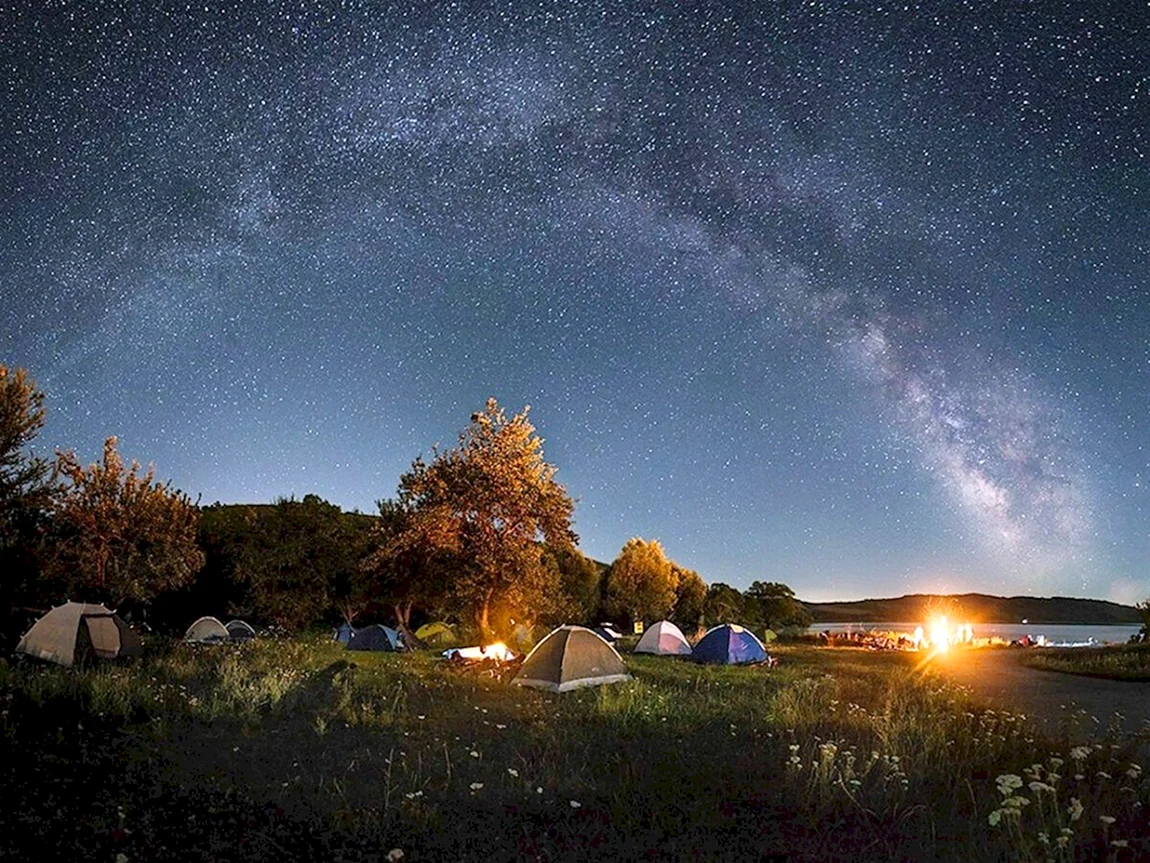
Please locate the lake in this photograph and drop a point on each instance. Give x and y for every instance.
(1058, 633)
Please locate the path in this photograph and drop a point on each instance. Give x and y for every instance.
(999, 678)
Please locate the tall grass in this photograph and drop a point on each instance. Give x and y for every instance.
(1120, 662)
(906, 766)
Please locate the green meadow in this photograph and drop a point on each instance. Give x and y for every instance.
(1118, 662)
(297, 749)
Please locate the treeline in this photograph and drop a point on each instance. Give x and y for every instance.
(481, 533)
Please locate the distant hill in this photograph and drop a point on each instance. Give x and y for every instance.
(975, 607)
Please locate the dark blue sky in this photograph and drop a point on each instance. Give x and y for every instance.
(850, 296)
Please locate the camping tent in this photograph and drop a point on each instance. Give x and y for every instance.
(75, 631)
(571, 657)
(664, 639)
(607, 632)
(375, 637)
(206, 630)
(435, 633)
(729, 644)
(238, 630)
(343, 634)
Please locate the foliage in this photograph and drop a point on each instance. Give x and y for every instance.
(411, 560)
(489, 502)
(853, 755)
(297, 557)
(1117, 662)
(690, 597)
(119, 535)
(580, 586)
(641, 582)
(724, 604)
(1144, 612)
(24, 491)
(773, 605)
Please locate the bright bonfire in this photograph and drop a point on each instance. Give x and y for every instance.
(941, 635)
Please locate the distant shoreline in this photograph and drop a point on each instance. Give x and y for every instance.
(978, 607)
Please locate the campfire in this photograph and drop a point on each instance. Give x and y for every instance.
(941, 635)
(497, 652)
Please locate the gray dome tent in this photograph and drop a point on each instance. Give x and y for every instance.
(571, 657)
(206, 630)
(239, 630)
(75, 631)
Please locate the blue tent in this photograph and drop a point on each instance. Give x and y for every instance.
(607, 633)
(375, 637)
(343, 634)
(729, 645)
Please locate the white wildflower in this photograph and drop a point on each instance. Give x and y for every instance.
(1074, 810)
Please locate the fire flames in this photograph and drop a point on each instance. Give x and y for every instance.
(941, 635)
(497, 651)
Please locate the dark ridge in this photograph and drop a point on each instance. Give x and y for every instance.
(976, 607)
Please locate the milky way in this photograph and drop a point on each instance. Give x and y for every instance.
(848, 296)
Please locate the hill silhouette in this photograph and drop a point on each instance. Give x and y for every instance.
(976, 607)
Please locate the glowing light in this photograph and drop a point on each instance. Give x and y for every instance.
(497, 651)
(941, 636)
(939, 639)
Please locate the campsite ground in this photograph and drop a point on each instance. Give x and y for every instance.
(1006, 678)
(286, 750)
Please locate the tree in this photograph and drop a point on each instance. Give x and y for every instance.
(724, 604)
(411, 560)
(489, 502)
(690, 597)
(24, 488)
(640, 583)
(117, 534)
(297, 556)
(223, 533)
(774, 605)
(580, 585)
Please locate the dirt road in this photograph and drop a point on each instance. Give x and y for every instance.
(1053, 698)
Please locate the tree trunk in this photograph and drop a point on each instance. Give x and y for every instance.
(483, 619)
(402, 616)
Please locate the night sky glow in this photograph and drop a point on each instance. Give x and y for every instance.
(849, 296)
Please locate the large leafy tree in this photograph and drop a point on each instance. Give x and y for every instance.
(298, 557)
(23, 478)
(490, 501)
(411, 561)
(117, 534)
(24, 488)
(219, 588)
(690, 597)
(774, 605)
(580, 579)
(724, 604)
(641, 582)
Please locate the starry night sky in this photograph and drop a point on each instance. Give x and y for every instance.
(852, 296)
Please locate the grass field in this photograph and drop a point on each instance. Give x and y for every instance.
(283, 750)
(1119, 662)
